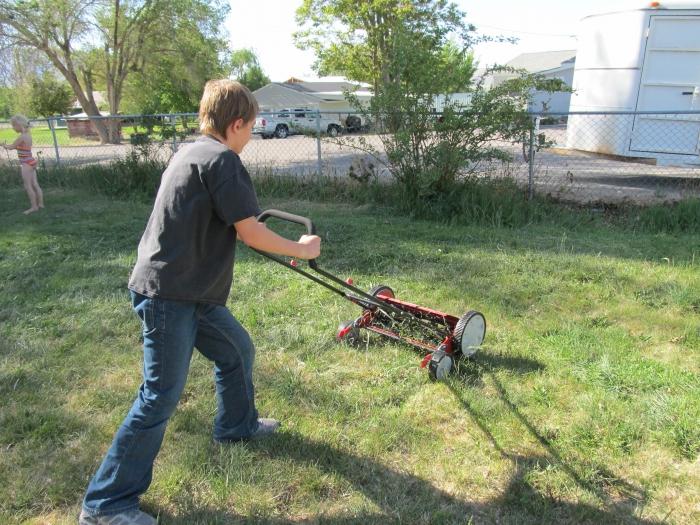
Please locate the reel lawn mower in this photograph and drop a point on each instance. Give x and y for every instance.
(443, 338)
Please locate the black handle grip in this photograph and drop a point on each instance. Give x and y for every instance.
(290, 217)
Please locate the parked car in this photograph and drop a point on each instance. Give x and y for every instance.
(296, 121)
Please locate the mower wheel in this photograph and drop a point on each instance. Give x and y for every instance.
(440, 365)
(469, 333)
(381, 290)
(351, 336)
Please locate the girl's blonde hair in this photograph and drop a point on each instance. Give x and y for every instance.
(223, 102)
(21, 120)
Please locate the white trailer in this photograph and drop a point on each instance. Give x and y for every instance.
(639, 60)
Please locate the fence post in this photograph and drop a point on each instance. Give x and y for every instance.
(174, 134)
(318, 140)
(55, 142)
(531, 161)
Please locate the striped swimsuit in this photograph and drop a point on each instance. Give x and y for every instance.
(25, 156)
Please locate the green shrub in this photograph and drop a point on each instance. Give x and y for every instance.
(497, 201)
(136, 176)
(139, 139)
(683, 216)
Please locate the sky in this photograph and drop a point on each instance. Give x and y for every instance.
(266, 26)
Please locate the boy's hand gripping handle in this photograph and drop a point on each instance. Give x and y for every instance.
(290, 217)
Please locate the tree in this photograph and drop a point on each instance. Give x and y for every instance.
(358, 38)
(49, 96)
(245, 68)
(5, 103)
(457, 64)
(104, 41)
(19, 67)
(430, 154)
(175, 81)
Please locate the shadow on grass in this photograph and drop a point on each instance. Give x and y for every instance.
(402, 496)
(619, 498)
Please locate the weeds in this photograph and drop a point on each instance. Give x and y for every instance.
(495, 202)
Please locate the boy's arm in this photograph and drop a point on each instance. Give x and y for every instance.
(256, 235)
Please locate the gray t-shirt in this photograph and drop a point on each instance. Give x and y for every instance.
(188, 248)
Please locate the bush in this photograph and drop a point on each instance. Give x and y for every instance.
(167, 132)
(497, 202)
(136, 176)
(139, 139)
(683, 216)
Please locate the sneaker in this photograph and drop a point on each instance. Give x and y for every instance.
(266, 426)
(130, 517)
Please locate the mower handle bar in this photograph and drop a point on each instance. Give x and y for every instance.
(290, 217)
(311, 230)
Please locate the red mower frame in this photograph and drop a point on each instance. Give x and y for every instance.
(443, 338)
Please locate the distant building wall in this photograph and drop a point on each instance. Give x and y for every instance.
(84, 127)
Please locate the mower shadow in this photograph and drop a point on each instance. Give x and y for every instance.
(398, 494)
(471, 371)
(627, 496)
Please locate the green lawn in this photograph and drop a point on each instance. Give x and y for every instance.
(582, 407)
(41, 136)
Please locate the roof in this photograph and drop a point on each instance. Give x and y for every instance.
(297, 92)
(687, 5)
(542, 61)
(85, 116)
(98, 96)
(278, 95)
(322, 87)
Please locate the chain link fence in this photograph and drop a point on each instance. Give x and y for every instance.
(607, 157)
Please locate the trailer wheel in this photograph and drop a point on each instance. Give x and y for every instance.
(469, 333)
(351, 336)
(440, 365)
(381, 290)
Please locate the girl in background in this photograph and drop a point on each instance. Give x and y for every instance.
(23, 145)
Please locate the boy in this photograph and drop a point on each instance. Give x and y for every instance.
(179, 288)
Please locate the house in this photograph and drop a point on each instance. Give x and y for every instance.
(80, 125)
(481, 76)
(549, 64)
(325, 95)
(100, 101)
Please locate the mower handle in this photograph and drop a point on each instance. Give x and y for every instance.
(290, 217)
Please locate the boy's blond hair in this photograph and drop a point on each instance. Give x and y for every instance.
(21, 120)
(223, 102)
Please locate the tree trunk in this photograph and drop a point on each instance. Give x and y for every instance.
(87, 102)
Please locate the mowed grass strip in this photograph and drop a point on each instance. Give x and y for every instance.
(582, 407)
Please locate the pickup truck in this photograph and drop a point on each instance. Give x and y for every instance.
(294, 121)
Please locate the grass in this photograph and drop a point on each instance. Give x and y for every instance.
(582, 407)
(42, 136)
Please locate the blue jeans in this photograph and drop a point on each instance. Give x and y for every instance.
(171, 329)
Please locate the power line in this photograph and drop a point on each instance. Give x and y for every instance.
(523, 32)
